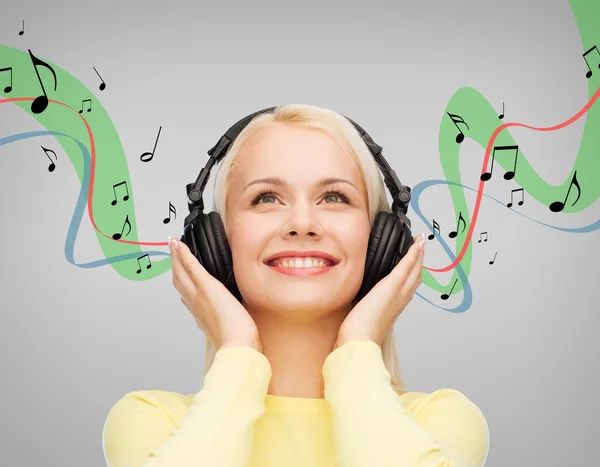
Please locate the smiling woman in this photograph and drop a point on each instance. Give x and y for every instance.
(296, 154)
(299, 186)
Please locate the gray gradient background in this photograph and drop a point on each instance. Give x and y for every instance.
(75, 340)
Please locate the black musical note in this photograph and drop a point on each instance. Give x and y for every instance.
(52, 166)
(511, 197)
(103, 84)
(23, 30)
(149, 261)
(435, 226)
(82, 102)
(117, 236)
(125, 198)
(445, 296)
(173, 210)
(151, 153)
(8, 88)
(501, 116)
(486, 237)
(511, 173)
(458, 119)
(460, 218)
(40, 103)
(558, 206)
(588, 75)
(492, 261)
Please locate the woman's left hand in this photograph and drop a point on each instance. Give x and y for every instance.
(372, 317)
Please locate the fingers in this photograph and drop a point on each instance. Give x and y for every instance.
(409, 261)
(194, 269)
(415, 276)
(181, 279)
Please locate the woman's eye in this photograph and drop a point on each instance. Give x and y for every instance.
(262, 196)
(333, 194)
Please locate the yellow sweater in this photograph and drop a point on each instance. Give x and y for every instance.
(233, 422)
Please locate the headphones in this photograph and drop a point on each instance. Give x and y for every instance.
(389, 240)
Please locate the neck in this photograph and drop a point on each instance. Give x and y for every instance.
(297, 349)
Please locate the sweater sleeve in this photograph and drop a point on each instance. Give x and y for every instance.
(217, 430)
(372, 427)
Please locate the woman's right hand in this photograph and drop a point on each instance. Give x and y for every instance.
(218, 314)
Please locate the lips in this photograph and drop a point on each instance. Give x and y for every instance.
(273, 262)
(301, 254)
(302, 272)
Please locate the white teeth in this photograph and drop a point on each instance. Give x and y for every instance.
(300, 262)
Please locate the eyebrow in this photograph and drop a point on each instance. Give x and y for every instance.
(280, 181)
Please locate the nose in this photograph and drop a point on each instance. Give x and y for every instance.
(302, 224)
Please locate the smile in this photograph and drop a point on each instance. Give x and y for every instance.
(302, 272)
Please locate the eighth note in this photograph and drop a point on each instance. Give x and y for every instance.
(147, 267)
(588, 75)
(103, 85)
(486, 237)
(125, 198)
(117, 236)
(8, 88)
(511, 197)
(40, 103)
(151, 153)
(52, 166)
(558, 206)
(172, 209)
(82, 102)
(509, 175)
(460, 218)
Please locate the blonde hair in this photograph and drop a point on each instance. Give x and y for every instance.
(337, 126)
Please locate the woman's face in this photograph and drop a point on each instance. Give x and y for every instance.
(297, 216)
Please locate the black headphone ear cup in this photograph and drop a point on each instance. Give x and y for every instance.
(374, 239)
(211, 223)
(386, 256)
(381, 257)
(221, 252)
(387, 246)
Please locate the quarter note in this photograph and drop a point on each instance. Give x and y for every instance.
(458, 119)
(125, 198)
(460, 218)
(117, 236)
(558, 206)
(23, 30)
(486, 237)
(52, 166)
(501, 116)
(103, 85)
(171, 210)
(82, 102)
(149, 262)
(435, 226)
(588, 75)
(151, 154)
(445, 296)
(511, 197)
(509, 175)
(8, 88)
(40, 103)
(492, 261)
